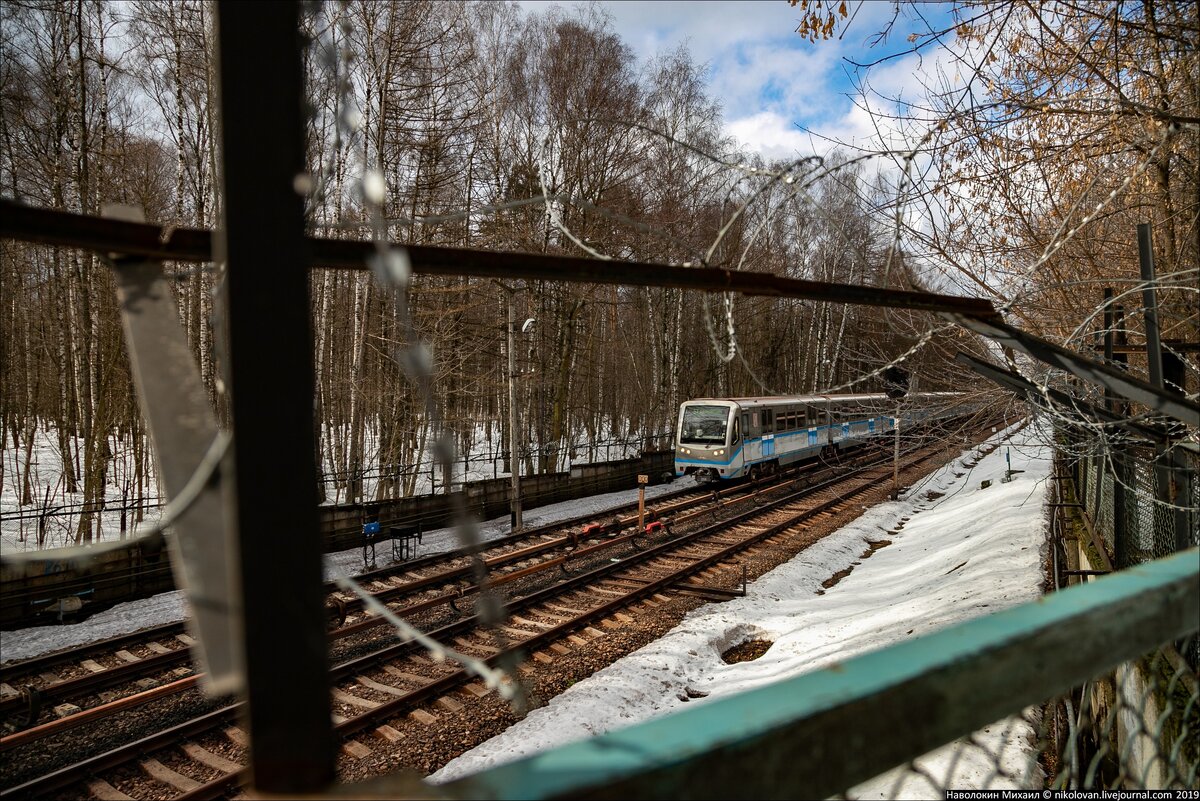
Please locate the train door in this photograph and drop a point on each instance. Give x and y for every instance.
(752, 426)
(768, 435)
(813, 420)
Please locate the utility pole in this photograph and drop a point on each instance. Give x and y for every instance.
(514, 458)
(896, 382)
(896, 456)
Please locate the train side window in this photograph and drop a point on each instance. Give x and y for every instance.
(768, 415)
(746, 424)
(737, 432)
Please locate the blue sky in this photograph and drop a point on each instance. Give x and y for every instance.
(768, 79)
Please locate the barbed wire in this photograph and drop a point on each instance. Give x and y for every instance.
(391, 268)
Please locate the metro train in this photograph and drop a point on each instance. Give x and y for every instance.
(718, 439)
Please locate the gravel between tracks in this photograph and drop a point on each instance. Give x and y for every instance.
(425, 748)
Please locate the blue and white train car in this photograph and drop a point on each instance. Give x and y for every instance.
(726, 438)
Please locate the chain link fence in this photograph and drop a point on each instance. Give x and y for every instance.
(1142, 501)
(1137, 728)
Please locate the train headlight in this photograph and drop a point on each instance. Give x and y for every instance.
(685, 450)
(720, 452)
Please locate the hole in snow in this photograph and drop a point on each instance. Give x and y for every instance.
(747, 651)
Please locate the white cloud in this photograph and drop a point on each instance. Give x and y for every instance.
(771, 135)
(782, 96)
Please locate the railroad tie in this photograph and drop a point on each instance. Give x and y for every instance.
(521, 621)
(353, 700)
(128, 656)
(388, 734)
(186, 639)
(236, 736)
(421, 716)
(566, 610)
(420, 681)
(379, 686)
(214, 761)
(448, 704)
(106, 792)
(93, 666)
(7, 690)
(158, 648)
(468, 645)
(354, 748)
(520, 634)
(161, 773)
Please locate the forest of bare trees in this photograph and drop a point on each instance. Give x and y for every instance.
(489, 127)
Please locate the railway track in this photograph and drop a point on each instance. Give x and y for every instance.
(564, 592)
(61, 690)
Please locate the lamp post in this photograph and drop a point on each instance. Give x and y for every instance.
(513, 458)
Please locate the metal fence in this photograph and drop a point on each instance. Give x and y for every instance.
(1143, 503)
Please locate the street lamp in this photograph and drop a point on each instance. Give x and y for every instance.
(514, 458)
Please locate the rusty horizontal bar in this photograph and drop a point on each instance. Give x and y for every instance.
(1140, 350)
(1114, 380)
(66, 229)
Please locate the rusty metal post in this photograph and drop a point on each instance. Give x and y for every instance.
(270, 376)
(1149, 300)
(643, 480)
(1170, 469)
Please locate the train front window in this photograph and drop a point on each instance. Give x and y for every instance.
(704, 425)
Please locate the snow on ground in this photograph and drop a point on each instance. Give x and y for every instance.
(170, 607)
(961, 552)
(19, 524)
